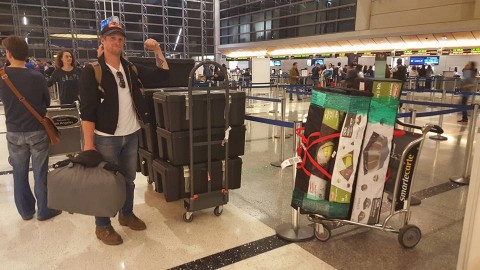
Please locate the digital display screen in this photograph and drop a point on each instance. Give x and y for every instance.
(432, 60)
(317, 61)
(277, 63)
(417, 61)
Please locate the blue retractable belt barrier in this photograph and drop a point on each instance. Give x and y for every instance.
(264, 99)
(269, 121)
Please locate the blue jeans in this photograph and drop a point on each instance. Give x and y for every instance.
(22, 146)
(121, 151)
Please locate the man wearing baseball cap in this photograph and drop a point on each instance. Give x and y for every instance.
(111, 111)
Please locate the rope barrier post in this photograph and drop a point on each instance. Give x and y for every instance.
(249, 93)
(282, 137)
(465, 178)
(275, 95)
(454, 88)
(439, 137)
(413, 118)
(294, 232)
(432, 94)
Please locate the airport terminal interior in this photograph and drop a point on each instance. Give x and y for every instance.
(260, 223)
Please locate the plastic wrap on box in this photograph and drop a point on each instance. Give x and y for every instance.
(375, 154)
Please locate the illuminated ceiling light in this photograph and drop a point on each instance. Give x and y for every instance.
(78, 36)
(178, 39)
(24, 19)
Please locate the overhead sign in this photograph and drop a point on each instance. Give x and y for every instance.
(302, 56)
(326, 55)
(278, 57)
(340, 55)
(237, 59)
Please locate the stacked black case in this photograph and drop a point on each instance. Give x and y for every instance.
(164, 143)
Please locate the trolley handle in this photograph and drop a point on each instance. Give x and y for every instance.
(433, 128)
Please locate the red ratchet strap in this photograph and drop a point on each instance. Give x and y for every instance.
(305, 146)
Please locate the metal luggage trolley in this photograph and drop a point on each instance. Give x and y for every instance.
(217, 198)
(409, 235)
(67, 119)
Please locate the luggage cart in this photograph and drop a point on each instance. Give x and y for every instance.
(67, 119)
(217, 198)
(409, 235)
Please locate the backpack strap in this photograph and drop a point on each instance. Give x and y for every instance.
(97, 69)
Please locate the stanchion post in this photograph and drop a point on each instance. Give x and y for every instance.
(282, 136)
(439, 137)
(465, 178)
(294, 232)
(413, 118)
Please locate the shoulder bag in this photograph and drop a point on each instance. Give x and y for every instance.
(52, 131)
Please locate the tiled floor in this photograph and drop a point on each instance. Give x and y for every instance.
(243, 236)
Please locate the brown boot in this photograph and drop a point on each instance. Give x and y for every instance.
(132, 221)
(108, 235)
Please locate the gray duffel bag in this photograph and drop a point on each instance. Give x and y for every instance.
(95, 191)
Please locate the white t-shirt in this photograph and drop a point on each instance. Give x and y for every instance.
(127, 117)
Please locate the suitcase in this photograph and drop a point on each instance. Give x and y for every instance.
(174, 146)
(146, 159)
(173, 181)
(90, 191)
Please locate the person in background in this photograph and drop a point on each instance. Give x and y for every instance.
(400, 71)
(316, 75)
(360, 73)
(294, 77)
(414, 75)
(388, 74)
(26, 137)
(370, 72)
(468, 85)
(66, 76)
(365, 71)
(336, 72)
(29, 64)
(110, 118)
(429, 75)
(49, 69)
(352, 74)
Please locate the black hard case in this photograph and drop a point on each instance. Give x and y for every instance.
(147, 137)
(171, 110)
(145, 159)
(171, 179)
(174, 146)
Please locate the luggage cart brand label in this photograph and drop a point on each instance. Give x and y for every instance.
(408, 168)
(65, 120)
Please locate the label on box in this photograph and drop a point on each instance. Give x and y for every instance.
(373, 169)
(317, 188)
(348, 152)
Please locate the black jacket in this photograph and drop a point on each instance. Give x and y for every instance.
(102, 108)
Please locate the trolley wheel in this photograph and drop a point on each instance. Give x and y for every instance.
(218, 211)
(149, 180)
(409, 236)
(322, 235)
(187, 219)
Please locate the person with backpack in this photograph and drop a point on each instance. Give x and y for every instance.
(111, 106)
